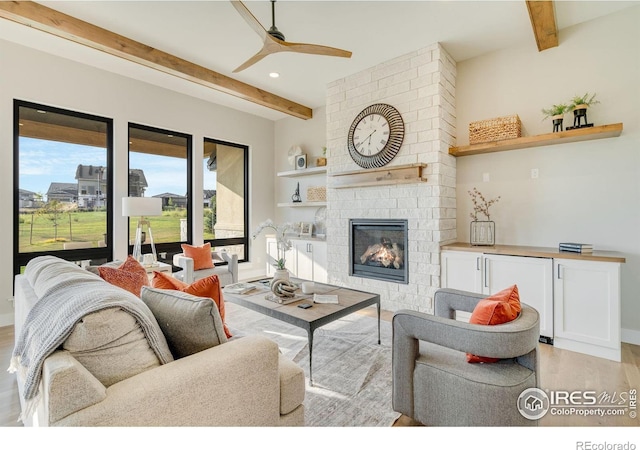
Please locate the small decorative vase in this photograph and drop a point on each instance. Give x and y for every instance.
(281, 274)
(482, 232)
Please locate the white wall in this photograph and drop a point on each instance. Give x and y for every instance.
(35, 76)
(586, 192)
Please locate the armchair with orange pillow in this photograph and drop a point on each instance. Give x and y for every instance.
(448, 372)
(199, 262)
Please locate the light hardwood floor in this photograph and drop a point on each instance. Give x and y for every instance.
(560, 370)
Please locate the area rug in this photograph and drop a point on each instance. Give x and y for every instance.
(351, 372)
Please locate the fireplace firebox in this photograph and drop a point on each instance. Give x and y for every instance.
(378, 249)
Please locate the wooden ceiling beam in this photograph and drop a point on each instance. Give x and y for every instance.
(62, 25)
(543, 20)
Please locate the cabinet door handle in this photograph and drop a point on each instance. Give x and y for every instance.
(478, 263)
(309, 248)
(559, 277)
(485, 273)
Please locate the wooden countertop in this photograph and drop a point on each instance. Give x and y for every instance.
(538, 252)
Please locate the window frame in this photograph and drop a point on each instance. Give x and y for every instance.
(97, 253)
(168, 247)
(239, 240)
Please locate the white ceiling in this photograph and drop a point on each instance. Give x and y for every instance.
(212, 34)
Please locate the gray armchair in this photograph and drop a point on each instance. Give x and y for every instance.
(434, 384)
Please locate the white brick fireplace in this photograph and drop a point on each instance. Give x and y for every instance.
(421, 86)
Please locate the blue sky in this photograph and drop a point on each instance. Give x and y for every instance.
(43, 162)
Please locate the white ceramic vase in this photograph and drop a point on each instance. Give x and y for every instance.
(281, 274)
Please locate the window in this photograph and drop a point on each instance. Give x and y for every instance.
(160, 166)
(225, 198)
(55, 152)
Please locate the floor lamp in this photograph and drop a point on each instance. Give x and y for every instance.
(142, 207)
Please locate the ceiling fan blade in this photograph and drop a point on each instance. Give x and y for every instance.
(251, 61)
(250, 19)
(314, 49)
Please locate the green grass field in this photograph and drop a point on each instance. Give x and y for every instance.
(87, 226)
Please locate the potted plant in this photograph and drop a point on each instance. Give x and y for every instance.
(579, 105)
(556, 112)
(283, 244)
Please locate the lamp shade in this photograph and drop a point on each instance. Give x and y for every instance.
(141, 206)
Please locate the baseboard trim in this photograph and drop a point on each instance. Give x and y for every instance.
(630, 336)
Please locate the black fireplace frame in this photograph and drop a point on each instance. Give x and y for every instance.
(379, 273)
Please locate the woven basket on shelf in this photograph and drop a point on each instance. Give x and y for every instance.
(317, 194)
(497, 129)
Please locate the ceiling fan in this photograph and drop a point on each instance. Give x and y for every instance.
(274, 41)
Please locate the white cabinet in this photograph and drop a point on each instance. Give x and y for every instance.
(461, 270)
(487, 274)
(587, 307)
(578, 298)
(534, 278)
(311, 261)
(307, 259)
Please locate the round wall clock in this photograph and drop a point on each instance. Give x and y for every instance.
(375, 136)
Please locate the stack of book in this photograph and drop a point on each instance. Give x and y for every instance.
(575, 247)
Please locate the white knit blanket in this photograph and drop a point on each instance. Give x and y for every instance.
(53, 317)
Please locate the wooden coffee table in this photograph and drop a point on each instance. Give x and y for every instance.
(312, 318)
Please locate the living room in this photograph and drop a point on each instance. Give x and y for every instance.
(584, 192)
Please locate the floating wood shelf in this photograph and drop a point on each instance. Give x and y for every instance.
(562, 137)
(302, 204)
(303, 172)
(405, 174)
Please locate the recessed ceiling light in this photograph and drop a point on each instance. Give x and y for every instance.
(41, 111)
(274, 74)
(170, 135)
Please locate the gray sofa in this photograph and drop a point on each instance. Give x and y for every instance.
(434, 384)
(107, 374)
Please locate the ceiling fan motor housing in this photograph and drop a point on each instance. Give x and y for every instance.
(273, 31)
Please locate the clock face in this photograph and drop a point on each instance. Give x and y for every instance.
(375, 136)
(371, 134)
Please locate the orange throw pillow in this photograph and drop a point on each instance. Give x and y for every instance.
(501, 307)
(130, 275)
(201, 256)
(208, 287)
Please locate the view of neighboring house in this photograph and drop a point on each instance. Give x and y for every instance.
(137, 183)
(91, 189)
(208, 197)
(63, 192)
(169, 199)
(28, 199)
(92, 186)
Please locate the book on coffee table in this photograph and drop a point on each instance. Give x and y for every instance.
(332, 299)
(239, 288)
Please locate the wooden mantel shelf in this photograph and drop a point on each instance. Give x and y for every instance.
(404, 174)
(562, 137)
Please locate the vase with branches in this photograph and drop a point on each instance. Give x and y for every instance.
(482, 232)
(283, 243)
